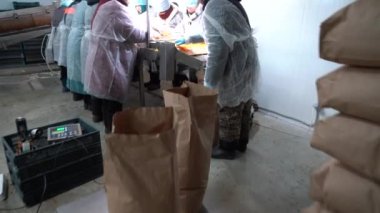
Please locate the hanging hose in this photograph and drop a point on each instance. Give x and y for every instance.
(42, 53)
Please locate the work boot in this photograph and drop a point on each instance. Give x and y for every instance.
(87, 102)
(242, 146)
(219, 153)
(224, 150)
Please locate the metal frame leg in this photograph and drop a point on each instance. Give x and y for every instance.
(141, 84)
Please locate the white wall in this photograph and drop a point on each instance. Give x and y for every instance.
(287, 33)
(7, 4)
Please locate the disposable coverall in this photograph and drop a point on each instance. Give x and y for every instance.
(192, 26)
(86, 37)
(111, 55)
(232, 69)
(172, 24)
(74, 73)
(52, 47)
(64, 30)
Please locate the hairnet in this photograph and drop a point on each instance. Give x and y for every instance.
(140, 2)
(191, 3)
(232, 64)
(66, 3)
(162, 5)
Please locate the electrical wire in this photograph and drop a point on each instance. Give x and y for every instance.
(43, 194)
(45, 180)
(42, 54)
(12, 209)
(99, 183)
(55, 161)
(286, 116)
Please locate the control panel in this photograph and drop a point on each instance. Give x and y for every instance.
(64, 131)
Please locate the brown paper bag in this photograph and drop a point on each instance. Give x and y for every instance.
(317, 208)
(352, 91)
(140, 166)
(354, 142)
(345, 191)
(352, 35)
(194, 154)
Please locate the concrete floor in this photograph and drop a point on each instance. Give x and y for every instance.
(273, 176)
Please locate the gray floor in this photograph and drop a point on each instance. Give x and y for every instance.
(273, 176)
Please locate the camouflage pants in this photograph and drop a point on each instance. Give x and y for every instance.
(235, 122)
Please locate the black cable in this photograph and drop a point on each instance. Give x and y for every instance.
(43, 194)
(55, 161)
(45, 181)
(99, 183)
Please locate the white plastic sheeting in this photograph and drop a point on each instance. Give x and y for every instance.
(287, 33)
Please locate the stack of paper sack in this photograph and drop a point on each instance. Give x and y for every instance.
(351, 182)
(158, 158)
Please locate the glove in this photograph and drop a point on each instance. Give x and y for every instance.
(180, 41)
(195, 39)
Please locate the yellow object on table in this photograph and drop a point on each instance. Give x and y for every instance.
(194, 48)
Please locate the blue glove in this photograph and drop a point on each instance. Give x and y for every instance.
(195, 39)
(180, 41)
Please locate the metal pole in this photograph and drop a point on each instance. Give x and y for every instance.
(141, 66)
(147, 24)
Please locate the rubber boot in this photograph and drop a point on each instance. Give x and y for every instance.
(109, 108)
(224, 150)
(63, 79)
(87, 102)
(96, 108)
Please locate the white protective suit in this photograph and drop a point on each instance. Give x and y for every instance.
(56, 43)
(86, 37)
(64, 30)
(74, 73)
(232, 64)
(172, 24)
(112, 51)
(192, 23)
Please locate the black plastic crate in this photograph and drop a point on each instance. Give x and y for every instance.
(23, 173)
(36, 182)
(56, 187)
(49, 151)
(63, 164)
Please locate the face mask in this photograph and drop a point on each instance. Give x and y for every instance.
(143, 9)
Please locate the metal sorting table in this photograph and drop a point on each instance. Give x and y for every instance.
(8, 39)
(168, 58)
(25, 31)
